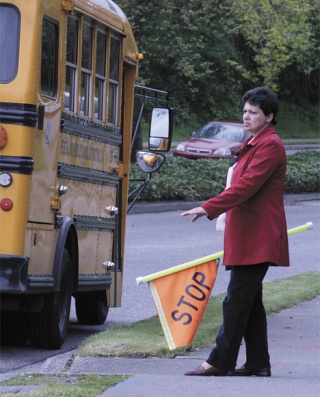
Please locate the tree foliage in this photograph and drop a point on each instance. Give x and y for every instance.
(279, 33)
(205, 53)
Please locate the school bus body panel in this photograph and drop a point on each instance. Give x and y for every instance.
(115, 289)
(98, 249)
(11, 237)
(71, 168)
(39, 239)
(45, 154)
(129, 76)
(80, 151)
(21, 90)
(91, 201)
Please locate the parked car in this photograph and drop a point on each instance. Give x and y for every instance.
(216, 139)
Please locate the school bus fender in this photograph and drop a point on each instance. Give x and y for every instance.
(67, 240)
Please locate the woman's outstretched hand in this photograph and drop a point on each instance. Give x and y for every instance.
(197, 211)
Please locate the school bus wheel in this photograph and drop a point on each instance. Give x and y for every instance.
(13, 328)
(48, 328)
(91, 307)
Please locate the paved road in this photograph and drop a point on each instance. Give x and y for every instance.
(158, 240)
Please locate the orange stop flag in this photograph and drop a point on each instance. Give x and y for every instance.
(181, 294)
(181, 298)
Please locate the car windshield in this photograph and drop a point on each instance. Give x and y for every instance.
(221, 132)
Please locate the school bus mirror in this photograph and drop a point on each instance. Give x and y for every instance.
(160, 133)
(149, 162)
(158, 144)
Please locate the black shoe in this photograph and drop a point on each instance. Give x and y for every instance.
(201, 371)
(243, 371)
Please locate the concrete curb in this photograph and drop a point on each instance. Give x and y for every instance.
(147, 207)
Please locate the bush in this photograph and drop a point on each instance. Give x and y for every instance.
(303, 175)
(181, 179)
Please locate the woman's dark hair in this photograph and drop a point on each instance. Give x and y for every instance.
(266, 99)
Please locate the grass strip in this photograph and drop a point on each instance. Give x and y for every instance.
(61, 385)
(145, 338)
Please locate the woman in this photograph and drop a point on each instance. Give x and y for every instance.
(255, 238)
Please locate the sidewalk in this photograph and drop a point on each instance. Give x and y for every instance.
(295, 358)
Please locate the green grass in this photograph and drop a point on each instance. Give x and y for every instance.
(64, 385)
(145, 338)
(294, 122)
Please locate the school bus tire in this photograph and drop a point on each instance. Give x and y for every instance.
(91, 307)
(13, 328)
(48, 328)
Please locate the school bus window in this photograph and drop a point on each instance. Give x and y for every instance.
(114, 80)
(9, 42)
(100, 79)
(71, 65)
(86, 69)
(49, 58)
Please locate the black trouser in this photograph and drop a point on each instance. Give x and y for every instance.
(244, 316)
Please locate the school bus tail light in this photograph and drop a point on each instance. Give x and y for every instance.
(3, 137)
(6, 204)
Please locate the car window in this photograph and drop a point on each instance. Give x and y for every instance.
(221, 132)
(203, 132)
(247, 134)
(231, 133)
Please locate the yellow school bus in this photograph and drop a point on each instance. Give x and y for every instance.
(67, 86)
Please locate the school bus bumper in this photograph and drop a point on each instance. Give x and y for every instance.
(13, 274)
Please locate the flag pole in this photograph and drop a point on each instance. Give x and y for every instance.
(212, 257)
(302, 228)
(178, 268)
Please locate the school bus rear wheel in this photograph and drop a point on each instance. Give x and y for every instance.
(92, 308)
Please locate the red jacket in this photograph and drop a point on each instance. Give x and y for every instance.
(256, 229)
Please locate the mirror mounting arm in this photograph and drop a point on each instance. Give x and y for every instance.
(137, 125)
(138, 190)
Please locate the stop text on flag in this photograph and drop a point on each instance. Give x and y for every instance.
(196, 292)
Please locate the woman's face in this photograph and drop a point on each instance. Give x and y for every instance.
(254, 120)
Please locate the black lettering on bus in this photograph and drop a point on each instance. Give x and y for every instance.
(64, 146)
